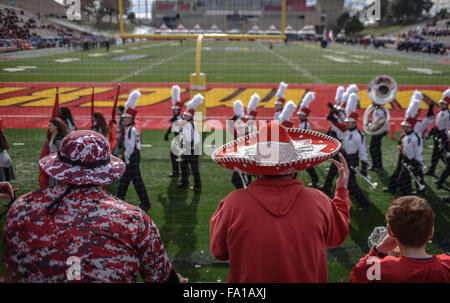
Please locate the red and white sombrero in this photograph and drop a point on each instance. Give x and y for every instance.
(275, 150)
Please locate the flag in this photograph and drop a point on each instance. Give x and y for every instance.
(113, 122)
(92, 107)
(43, 177)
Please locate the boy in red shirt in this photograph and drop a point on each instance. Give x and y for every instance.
(410, 226)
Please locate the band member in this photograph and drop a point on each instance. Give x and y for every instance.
(120, 132)
(279, 103)
(237, 125)
(379, 116)
(420, 129)
(439, 132)
(66, 115)
(174, 127)
(304, 124)
(190, 141)
(59, 130)
(252, 113)
(410, 156)
(132, 154)
(337, 113)
(100, 125)
(446, 172)
(354, 148)
(338, 99)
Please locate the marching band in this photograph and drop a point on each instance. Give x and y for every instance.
(343, 119)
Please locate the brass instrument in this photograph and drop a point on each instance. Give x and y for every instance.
(373, 185)
(381, 90)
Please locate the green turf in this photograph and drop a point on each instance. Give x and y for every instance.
(228, 62)
(183, 218)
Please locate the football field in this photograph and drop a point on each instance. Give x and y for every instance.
(182, 216)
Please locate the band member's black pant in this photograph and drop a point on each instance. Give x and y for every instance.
(353, 187)
(175, 164)
(375, 150)
(332, 173)
(439, 141)
(192, 162)
(313, 174)
(401, 178)
(445, 173)
(237, 181)
(133, 173)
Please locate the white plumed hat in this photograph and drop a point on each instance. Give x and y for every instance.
(413, 109)
(280, 93)
(251, 108)
(238, 108)
(193, 104)
(286, 114)
(350, 108)
(307, 100)
(176, 101)
(339, 94)
(130, 105)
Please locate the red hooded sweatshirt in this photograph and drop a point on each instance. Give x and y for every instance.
(276, 231)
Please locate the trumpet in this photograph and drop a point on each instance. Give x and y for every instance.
(420, 186)
(373, 185)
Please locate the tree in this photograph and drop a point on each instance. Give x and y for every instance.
(353, 25)
(404, 10)
(342, 18)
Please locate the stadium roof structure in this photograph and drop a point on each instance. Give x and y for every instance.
(255, 30)
(180, 30)
(197, 30)
(307, 30)
(290, 30)
(164, 29)
(272, 30)
(214, 29)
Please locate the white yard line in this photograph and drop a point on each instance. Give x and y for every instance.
(149, 67)
(296, 67)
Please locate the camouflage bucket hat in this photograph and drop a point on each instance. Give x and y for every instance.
(83, 158)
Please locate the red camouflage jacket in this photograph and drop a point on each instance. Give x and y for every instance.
(111, 240)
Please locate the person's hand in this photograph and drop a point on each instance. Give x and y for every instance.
(387, 244)
(343, 170)
(182, 279)
(7, 191)
(127, 161)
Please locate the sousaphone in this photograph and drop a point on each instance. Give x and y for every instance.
(382, 90)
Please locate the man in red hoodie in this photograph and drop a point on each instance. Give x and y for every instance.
(276, 230)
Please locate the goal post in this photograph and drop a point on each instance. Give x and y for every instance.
(197, 80)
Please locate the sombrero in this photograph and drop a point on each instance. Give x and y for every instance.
(275, 150)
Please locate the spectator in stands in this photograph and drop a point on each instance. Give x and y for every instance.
(100, 124)
(410, 225)
(276, 230)
(78, 231)
(66, 115)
